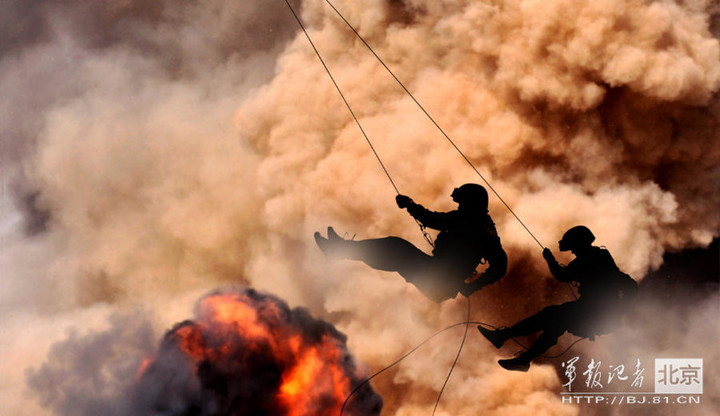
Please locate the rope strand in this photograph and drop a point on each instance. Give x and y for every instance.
(462, 344)
(426, 236)
(322, 61)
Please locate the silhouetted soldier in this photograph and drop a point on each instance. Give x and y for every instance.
(605, 295)
(467, 237)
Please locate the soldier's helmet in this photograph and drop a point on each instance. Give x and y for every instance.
(577, 237)
(471, 194)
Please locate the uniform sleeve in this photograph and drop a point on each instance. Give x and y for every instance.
(560, 272)
(432, 219)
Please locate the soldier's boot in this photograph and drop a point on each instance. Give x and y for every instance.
(333, 245)
(516, 364)
(496, 336)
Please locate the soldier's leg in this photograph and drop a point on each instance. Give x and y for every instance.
(395, 255)
(541, 321)
(547, 339)
(391, 254)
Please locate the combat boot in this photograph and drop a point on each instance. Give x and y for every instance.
(496, 336)
(515, 364)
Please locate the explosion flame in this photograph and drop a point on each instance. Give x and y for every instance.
(250, 353)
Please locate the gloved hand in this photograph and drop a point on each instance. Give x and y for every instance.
(547, 254)
(403, 201)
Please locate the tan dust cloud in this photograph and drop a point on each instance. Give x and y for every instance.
(594, 112)
(599, 113)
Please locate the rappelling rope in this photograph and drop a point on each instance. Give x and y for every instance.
(428, 339)
(452, 367)
(347, 104)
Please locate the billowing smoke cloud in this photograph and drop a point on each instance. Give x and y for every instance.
(76, 72)
(596, 113)
(600, 113)
(244, 353)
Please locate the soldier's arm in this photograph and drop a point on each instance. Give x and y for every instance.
(430, 219)
(558, 271)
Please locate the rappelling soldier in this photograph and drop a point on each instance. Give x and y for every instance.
(467, 238)
(605, 295)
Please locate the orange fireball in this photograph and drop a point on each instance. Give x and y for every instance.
(249, 353)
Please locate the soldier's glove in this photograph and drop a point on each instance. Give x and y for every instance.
(403, 201)
(547, 254)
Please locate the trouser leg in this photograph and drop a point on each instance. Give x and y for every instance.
(547, 339)
(552, 321)
(549, 320)
(552, 316)
(391, 254)
(397, 255)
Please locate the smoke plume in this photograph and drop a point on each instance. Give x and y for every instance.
(168, 148)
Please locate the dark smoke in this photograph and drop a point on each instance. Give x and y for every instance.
(93, 374)
(686, 277)
(36, 218)
(675, 315)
